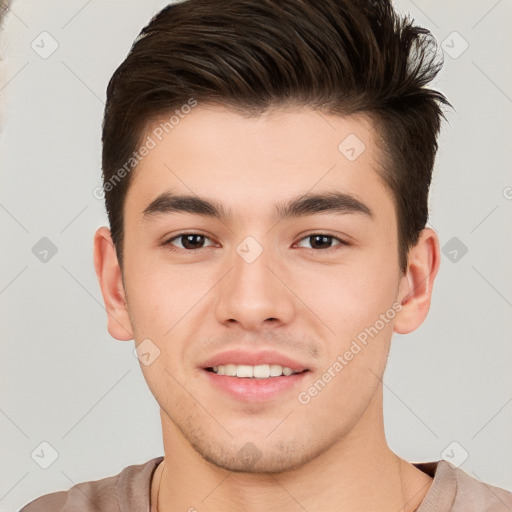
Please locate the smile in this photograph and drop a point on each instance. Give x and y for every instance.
(261, 371)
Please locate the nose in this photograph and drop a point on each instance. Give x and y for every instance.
(255, 294)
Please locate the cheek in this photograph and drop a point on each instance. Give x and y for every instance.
(357, 306)
(167, 304)
(158, 290)
(348, 298)
(162, 301)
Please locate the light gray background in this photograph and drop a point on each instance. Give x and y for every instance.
(66, 382)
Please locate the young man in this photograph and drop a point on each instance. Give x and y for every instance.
(266, 174)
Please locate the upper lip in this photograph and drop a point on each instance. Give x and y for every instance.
(243, 356)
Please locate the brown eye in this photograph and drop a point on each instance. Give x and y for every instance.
(322, 241)
(188, 241)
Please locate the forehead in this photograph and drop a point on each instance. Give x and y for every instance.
(247, 161)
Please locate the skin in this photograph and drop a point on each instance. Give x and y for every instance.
(308, 303)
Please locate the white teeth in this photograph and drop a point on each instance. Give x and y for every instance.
(276, 370)
(244, 370)
(261, 371)
(230, 369)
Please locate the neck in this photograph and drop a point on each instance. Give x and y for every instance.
(359, 472)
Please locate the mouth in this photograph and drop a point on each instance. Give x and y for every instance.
(255, 377)
(261, 371)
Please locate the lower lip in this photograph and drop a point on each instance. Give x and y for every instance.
(256, 390)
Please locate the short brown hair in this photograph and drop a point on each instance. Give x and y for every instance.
(337, 56)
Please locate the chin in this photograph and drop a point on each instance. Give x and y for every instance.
(258, 457)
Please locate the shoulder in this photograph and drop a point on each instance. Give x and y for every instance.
(111, 494)
(453, 490)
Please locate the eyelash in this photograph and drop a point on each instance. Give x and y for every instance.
(195, 251)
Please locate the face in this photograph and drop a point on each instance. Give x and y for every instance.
(273, 285)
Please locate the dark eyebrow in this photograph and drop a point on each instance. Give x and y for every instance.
(300, 206)
(167, 202)
(321, 202)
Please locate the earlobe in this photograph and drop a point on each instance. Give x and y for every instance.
(111, 284)
(416, 286)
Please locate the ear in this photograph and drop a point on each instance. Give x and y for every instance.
(415, 289)
(111, 284)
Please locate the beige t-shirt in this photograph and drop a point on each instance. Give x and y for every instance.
(452, 490)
